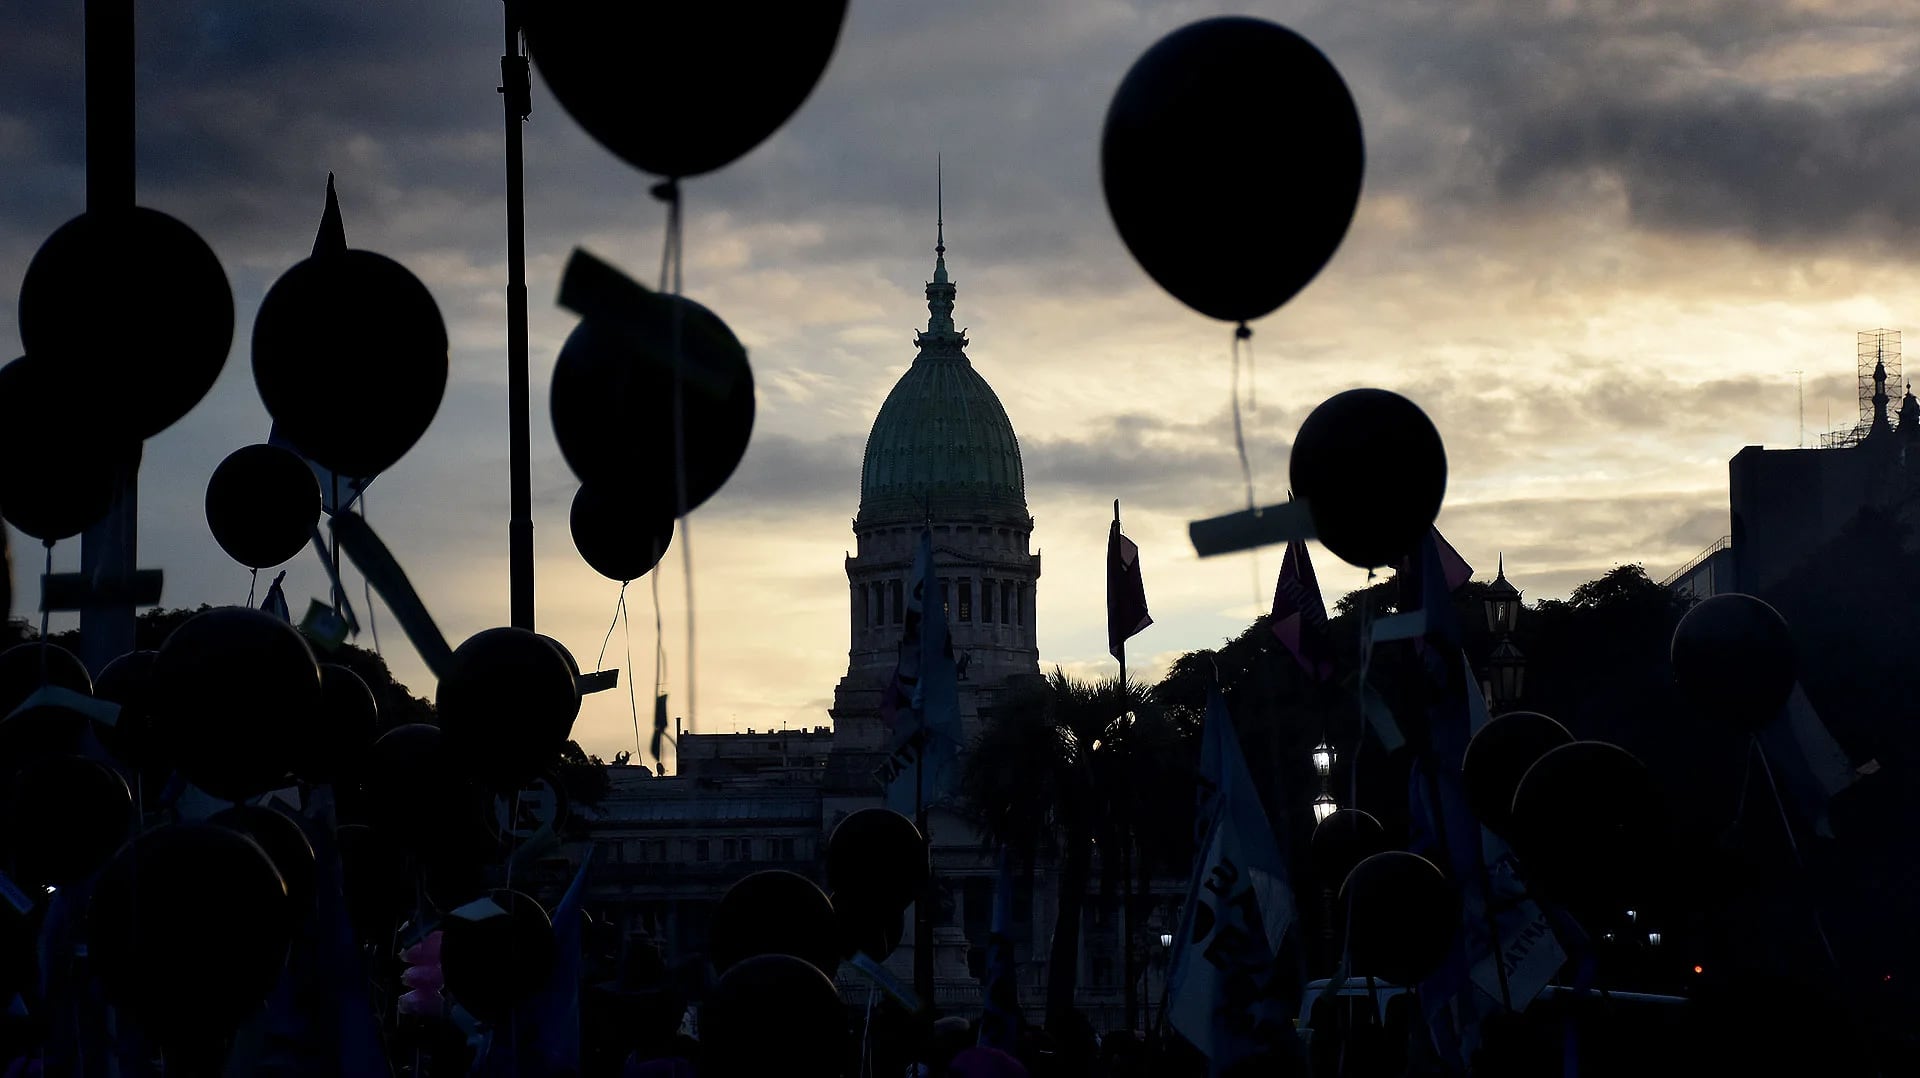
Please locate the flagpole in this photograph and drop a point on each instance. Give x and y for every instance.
(923, 909)
(1126, 911)
(517, 89)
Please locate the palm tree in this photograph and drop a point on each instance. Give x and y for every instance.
(1073, 767)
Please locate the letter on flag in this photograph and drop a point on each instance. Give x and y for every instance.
(1126, 595)
(1299, 619)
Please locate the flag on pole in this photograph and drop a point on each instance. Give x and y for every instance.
(556, 1011)
(1000, 1025)
(1453, 567)
(927, 742)
(1299, 618)
(1223, 992)
(1126, 594)
(276, 600)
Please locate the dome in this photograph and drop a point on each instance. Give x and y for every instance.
(942, 442)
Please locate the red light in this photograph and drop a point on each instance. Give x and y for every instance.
(1699, 969)
(1887, 977)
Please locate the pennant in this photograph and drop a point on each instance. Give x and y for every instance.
(1221, 990)
(276, 600)
(556, 1011)
(1454, 568)
(1299, 617)
(1126, 594)
(1811, 764)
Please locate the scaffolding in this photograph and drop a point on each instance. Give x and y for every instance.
(1872, 348)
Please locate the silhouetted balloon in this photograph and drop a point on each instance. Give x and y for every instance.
(497, 956)
(350, 356)
(1588, 825)
(24, 668)
(1231, 161)
(507, 703)
(613, 404)
(773, 1014)
(1372, 470)
(57, 479)
(1499, 756)
(137, 304)
(418, 796)
(878, 857)
(284, 843)
(336, 744)
(866, 926)
(775, 912)
(231, 688)
(188, 931)
(1402, 915)
(1734, 657)
(685, 116)
(1343, 840)
(132, 739)
(36, 732)
(262, 504)
(374, 881)
(65, 816)
(621, 539)
(572, 663)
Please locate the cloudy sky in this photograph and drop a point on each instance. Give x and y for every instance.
(1596, 241)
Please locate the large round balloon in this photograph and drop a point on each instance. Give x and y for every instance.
(619, 538)
(1402, 917)
(659, 84)
(1734, 657)
(1231, 161)
(507, 704)
(496, 953)
(59, 476)
(231, 688)
(775, 912)
(1588, 825)
(188, 931)
(136, 303)
(867, 927)
(1343, 840)
(1372, 470)
(336, 744)
(350, 356)
(132, 739)
(1497, 758)
(284, 843)
(878, 856)
(65, 816)
(262, 503)
(417, 795)
(614, 412)
(773, 1014)
(24, 668)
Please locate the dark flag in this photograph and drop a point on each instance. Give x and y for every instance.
(1299, 619)
(276, 601)
(1000, 1025)
(1126, 595)
(332, 236)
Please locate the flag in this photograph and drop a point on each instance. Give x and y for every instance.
(1811, 764)
(1452, 565)
(1299, 619)
(1000, 1025)
(276, 600)
(1222, 989)
(332, 237)
(556, 1011)
(922, 767)
(898, 695)
(1126, 595)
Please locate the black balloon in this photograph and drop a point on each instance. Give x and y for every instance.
(507, 704)
(418, 796)
(65, 816)
(1231, 161)
(1402, 917)
(1343, 840)
(55, 481)
(613, 404)
(1372, 470)
(1499, 756)
(262, 503)
(284, 843)
(350, 357)
(1588, 826)
(867, 927)
(619, 538)
(24, 668)
(137, 304)
(231, 688)
(658, 84)
(775, 912)
(132, 739)
(336, 744)
(492, 960)
(187, 931)
(1734, 657)
(877, 857)
(573, 664)
(774, 1014)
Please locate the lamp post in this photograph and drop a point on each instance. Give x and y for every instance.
(1323, 758)
(1506, 667)
(1323, 807)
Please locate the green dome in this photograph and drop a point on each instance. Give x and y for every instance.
(942, 441)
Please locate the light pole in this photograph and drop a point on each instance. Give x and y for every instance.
(1506, 667)
(1324, 757)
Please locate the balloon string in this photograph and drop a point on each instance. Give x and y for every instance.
(601, 662)
(633, 700)
(660, 659)
(1242, 333)
(1239, 434)
(1793, 847)
(253, 581)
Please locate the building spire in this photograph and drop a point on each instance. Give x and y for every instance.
(940, 337)
(940, 221)
(1879, 424)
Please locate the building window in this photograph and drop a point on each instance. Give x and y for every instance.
(702, 850)
(1103, 971)
(878, 604)
(896, 605)
(729, 850)
(986, 602)
(966, 599)
(786, 849)
(860, 597)
(1006, 601)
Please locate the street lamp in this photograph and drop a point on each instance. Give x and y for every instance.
(1503, 602)
(1166, 941)
(1506, 674)
(1323, 807)
(1324, 758)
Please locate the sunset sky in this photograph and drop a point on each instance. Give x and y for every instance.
(1596, 240)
